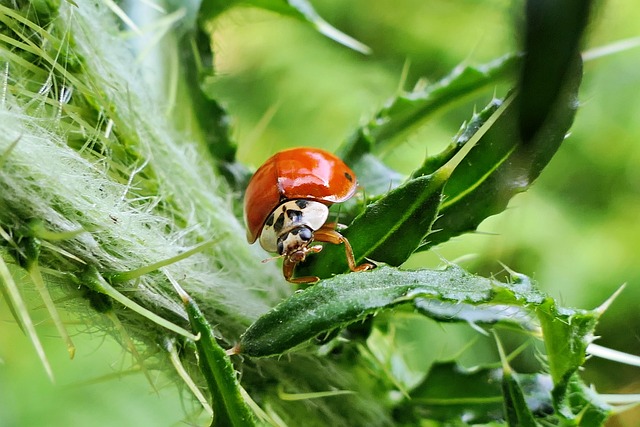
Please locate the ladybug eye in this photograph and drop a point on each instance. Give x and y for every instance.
(305, 234)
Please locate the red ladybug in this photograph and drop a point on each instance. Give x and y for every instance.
(287, 201)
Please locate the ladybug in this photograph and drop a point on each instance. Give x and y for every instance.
(286, 206)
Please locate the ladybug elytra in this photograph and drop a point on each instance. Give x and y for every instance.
(287, 201)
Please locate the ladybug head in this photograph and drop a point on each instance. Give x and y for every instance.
(294, 244)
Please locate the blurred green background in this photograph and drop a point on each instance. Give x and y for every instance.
(577, 232)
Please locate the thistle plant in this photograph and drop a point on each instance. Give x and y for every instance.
(123, 209)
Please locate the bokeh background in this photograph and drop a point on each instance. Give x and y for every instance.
(577, 231)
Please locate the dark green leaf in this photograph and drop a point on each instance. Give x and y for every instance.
(197, 63)
(501, 166)
(405, 113)
(551, 44)
(391, 228)
(451, 393)
(516, 410)
(566, 337)
(344, 299)
(388, 230)
(229, 408)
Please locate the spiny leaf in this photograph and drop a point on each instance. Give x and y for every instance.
(467, 131)
(566, 337)
(388, 230)
(579, 405)
(404, 113)
(198, 67)
(344, 299)
(501, 166)
(92, 279)
(197, 64)
(20, 312)
(391, 228)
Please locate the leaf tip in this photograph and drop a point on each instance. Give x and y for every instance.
(338, 36)
(605, 305)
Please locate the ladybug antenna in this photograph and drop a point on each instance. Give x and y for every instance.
(264, 261)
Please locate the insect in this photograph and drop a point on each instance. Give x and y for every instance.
(286, 206)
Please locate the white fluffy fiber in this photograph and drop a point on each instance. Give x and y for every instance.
(42, 178)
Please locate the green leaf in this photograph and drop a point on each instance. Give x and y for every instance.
(515, 407)
(344, 299)
(341, 300)
(229, 407)
(501, 166)
(444, 311)
(197, 64)
(467, 131)
(299, 9)
(552, 37)
(388, 230)
(391, 228)
(451, 393)
(517, 413)
(581, 405)
(408, 111)
(566, 337)
(374, 176)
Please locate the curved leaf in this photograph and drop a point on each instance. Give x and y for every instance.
(229, 407)
(388, 230)
(196, 59)
(341, 300)
(299, 9)
(501, 166)
(552, 37)
(391, 228)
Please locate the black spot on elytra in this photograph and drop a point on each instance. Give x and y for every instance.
(348, 176)
(269, 220)
(301, 203)
(294, 215)
(279, 223)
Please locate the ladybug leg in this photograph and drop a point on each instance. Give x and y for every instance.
(287, 270)
(328, 235)
(334, 226)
